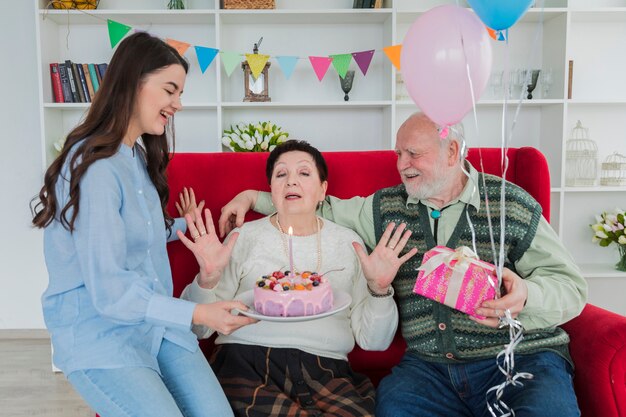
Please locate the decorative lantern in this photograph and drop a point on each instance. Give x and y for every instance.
(256, 89)
(614, 170)
(581, 159)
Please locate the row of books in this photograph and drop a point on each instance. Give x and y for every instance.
(75, 83)
(367, 4)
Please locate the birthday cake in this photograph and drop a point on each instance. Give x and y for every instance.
(292, 295)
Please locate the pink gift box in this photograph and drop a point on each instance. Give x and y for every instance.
(456, 278)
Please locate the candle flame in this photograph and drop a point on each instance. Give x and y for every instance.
(290, 230)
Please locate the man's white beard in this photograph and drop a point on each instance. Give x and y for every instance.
(427, 190)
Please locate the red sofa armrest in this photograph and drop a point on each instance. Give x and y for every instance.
(598, 348)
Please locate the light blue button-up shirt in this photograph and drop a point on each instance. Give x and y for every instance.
(109, 300)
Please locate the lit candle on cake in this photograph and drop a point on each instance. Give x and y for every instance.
(290, 232)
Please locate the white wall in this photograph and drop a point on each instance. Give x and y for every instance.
(23, 274)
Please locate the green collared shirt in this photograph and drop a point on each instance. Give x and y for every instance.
(557, 292)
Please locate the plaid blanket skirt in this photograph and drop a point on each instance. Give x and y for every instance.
(262, 381)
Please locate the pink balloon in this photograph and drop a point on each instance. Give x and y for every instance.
(436, 51)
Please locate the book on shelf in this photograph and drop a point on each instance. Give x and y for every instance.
(88, 81)
(367, 4)
(65, 83)
(95, 80)
(102, 69)
(57, 90)
(71, 75)
(98, 76)
(83, 83)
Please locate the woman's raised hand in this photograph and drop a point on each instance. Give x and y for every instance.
(211, 254)
(381, 266)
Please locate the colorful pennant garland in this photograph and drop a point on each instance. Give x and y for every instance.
(257, 63)
(230, 60)
(287, 64)
(116, 31)
(497, 35)
(320, 65)
(205, 56)
(393, 53)
(363, 60)
(181, 47)
(341, 63)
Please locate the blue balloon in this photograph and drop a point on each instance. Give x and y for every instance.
(500, 14)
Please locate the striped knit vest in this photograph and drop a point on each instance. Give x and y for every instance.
(439, 333)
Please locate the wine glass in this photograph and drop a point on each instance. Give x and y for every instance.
(546, 81)
(496, 82)
(346, 83)
(516, 82)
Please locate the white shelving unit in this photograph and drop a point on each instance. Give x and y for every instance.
(592, 33)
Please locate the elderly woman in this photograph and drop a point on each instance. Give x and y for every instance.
(301, 369)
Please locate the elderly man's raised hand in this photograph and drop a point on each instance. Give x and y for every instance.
(381, 266)
(234, 211)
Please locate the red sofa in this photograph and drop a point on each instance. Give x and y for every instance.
(598, 336)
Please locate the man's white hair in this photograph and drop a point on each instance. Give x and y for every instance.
(456, 133)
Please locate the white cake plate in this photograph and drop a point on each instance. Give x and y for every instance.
(341, 301)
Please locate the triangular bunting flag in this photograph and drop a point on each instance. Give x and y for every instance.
(205, 56)
(257, 63)
(320, 65)
(181, 47)
(287, 64)
(116, 31)
(363, 60)
(230, 60)
(393, 53)
(341, 63)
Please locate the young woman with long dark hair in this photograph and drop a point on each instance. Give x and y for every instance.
(119, 336)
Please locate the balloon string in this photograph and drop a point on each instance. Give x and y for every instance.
(506, 365)
(463, 143)
(506, 139)
(506, 358)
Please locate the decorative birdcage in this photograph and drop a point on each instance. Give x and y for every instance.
(581, 158)
(614, 170)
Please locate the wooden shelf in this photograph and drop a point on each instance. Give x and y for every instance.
(130, 17)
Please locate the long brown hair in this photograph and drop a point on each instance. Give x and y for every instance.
(104, 127)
